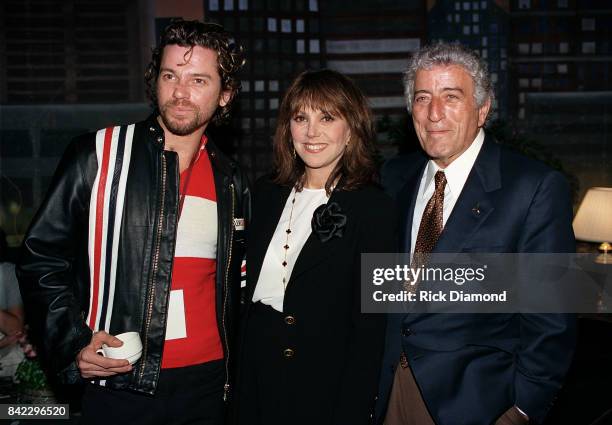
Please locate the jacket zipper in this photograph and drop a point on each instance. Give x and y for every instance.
(152, 280)
(226, 387)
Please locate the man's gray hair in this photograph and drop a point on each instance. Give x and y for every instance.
(446, 54)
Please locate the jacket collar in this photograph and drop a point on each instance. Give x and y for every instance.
(220, 162)
(313, 252)
(473, 205)
(475, 202)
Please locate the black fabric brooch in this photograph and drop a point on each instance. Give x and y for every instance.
(328, 221)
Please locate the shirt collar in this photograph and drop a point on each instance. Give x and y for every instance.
(457, 172)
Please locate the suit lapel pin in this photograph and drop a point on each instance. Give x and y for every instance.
(476, 209)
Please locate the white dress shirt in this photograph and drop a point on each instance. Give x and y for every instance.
(270, 289)
(456, 175)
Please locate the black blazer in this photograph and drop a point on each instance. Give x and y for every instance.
(472, 367)
(338, 349)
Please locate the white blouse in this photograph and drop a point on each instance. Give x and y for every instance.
(270, 289)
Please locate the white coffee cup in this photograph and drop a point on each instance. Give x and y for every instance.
(131, 350)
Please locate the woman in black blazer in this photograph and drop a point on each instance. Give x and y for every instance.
(309, 355)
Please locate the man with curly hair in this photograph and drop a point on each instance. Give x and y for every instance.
(143, 230)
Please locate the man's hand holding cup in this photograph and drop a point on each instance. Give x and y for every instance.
(108, 355)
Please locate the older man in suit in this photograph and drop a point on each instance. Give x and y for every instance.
(465, 193)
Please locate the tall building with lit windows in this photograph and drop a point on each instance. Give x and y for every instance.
(281, 38)
(372, 41)
(66, 67)
(561, 63)
(482, 25)
(369, 41)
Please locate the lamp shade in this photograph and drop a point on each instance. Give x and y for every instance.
(593, 221)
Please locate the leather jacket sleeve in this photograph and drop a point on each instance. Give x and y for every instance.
(52, 271)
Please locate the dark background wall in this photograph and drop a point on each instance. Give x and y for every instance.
(70, 66)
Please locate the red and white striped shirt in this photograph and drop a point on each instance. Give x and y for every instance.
(192, 335)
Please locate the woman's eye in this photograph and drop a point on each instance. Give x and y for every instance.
(299, 118)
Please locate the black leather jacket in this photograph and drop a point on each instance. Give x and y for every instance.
(54, 270)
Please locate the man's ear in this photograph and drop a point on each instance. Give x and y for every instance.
(483, 111)
(225, 97)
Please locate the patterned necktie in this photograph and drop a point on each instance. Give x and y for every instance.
(432, 222)
(430, 229)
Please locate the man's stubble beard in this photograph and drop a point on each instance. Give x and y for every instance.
(198, 120)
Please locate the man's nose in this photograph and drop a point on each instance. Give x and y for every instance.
(181, 91)
(436, 110)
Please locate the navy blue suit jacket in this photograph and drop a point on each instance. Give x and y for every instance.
(473, 367)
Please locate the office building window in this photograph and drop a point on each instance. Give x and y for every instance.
(563, 47)
(246, 85)
(259, 104)
(521, 98)
(521, 113)
(536, 48)
(228, 23)
(449, 18)
(523, 48)
(536, 83)
(273, 85)
(243, 4)
(228, 4)
(299, 46)
(562, 68)
(588, 47)
(299, 25)
(485, 53)
(259, 85)
(466, 30)
(274, 103)
(562, 4)
(524, 83)
(258, 24)
(213, 4)
(272, 67)
(483, 5)
(494, 77)
(475, 17)
(588, 24)
(272, 24)
(287, 46)
(467, 5)
(524, 4)
(457, 18)
(313, 5)
(314, 46)
(475, 5)
(286, 25)
(246, 123)
(475, 29)
(458, 5)
(484, 41)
